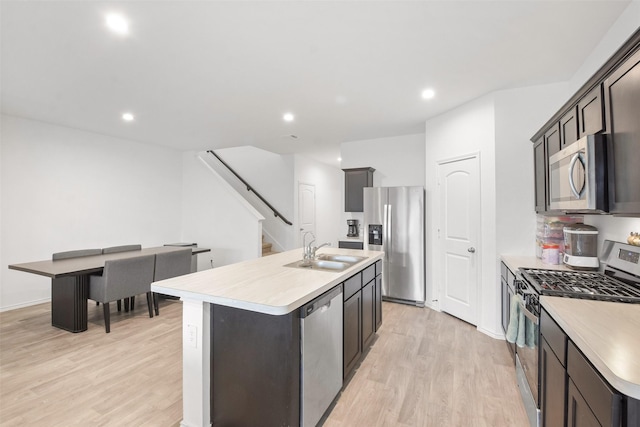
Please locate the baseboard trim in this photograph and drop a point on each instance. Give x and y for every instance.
(23, 305)
(491, 333)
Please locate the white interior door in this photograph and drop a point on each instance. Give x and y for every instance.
(306, 209)
(459, 224)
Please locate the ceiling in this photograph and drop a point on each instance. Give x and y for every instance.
(212, 74)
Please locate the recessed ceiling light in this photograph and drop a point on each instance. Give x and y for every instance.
(127, 117)
(428, 93)
(288, 117)
(117, 24)
(339, 159)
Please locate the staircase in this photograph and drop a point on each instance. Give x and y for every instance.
(266, 248)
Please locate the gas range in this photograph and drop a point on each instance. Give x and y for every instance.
(618, 281)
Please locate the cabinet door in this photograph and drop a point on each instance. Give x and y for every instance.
(540, 171)
(590, 113)
(552, 140)
(622, 104)
(355, 180)
(368, 313)
(378, 309)
(578, 412)
(553, 387)
(506, 305)
(352, 349)
(569, 128)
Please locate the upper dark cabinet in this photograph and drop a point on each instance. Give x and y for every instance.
(568, 128)
(622, 104)
(540, 175)
(591, 113)
(552, 139)
(354, 181)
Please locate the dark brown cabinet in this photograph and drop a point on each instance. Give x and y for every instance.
(368, 313)
(568, 128)
(590, 113)
(362, 314)
(346, 244)
(378, 307)
(579, 413)
(553, 380)
(352, 346)
(540, 175)
(622, 105)
(354, 181)
(507, 280)
(552, 139)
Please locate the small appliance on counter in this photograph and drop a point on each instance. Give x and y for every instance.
(581, 247)
(353, 228)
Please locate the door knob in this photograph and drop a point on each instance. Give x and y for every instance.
(472, 250)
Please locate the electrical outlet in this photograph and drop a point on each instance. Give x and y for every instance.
(192, 335)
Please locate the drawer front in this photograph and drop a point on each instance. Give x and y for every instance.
(350, 245)
(603, 401)
(378, 267)
(368, 274)
(554, 336)
(352, 285)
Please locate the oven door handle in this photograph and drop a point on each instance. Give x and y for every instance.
(529, 314)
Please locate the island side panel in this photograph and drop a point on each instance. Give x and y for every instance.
(255, 371)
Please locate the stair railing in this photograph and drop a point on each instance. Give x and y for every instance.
(250, 188)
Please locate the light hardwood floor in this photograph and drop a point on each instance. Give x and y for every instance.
(425, 369)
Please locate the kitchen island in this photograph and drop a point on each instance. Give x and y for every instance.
(262, 293)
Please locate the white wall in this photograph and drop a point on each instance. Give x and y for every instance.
(519, 115)
(215, 218)
(328, 182)
(68, 189)
(271, 175)
(398, 161)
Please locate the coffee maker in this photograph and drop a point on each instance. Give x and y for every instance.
(353, 228)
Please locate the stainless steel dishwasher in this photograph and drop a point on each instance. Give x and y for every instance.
(321, 362)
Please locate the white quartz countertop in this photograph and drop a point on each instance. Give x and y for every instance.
(264, 284)
(608, 333)
(514, 262)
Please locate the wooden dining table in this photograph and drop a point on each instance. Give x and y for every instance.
(70, 282)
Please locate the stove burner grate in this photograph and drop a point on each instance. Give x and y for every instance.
(581, 284)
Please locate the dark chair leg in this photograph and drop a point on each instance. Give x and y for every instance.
(149, 304)
(126, 305)
(155, 303)
(133, 302)
(119, 305)
(97, 302)
(107, 318)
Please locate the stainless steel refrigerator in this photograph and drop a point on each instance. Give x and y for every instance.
(394, 223)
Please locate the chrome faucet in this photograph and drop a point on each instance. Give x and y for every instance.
(307, 251)
(314, 249)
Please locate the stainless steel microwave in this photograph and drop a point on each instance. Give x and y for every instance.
(578, 176)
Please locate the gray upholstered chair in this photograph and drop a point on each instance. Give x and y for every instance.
(76, 254)
(171, 264)
(121, 279)
(123, 248)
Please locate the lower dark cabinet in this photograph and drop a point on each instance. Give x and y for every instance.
(352, 345)
(368, 314)
(553, 387)
(579, 413)
(378, 308)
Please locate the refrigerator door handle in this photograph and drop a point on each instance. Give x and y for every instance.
(385, 236)
(388, 225)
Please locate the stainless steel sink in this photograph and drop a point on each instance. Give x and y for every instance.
(328, 262)
(350, 259)
(320, 265)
